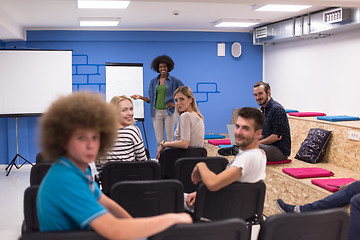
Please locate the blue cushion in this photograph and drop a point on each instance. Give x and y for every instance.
(338, 118)
(225, 146)
(213, 136)
(290, 110)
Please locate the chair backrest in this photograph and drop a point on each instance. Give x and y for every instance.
(63, 235)
(116, 171)
(31, 222)
(168, 156)
(332, 224)
(39, 158)
(239, 200)
(183, 168)
(229, 229)
(149, 198)
(38, 172)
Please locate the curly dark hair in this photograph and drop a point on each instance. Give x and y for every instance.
(162, 59)
(81, 110)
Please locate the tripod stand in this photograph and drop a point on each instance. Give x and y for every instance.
(13, 162)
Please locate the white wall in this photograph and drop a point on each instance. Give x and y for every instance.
(317, 74)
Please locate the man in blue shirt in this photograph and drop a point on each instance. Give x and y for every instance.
(276, 140)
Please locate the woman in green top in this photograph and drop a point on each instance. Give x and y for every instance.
(161, 91)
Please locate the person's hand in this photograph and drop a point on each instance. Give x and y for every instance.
(190, 199)
(195, 175)
(135, 96)
(158, 151)
(170, 105)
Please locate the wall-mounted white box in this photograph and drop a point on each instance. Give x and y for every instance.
(354, 135)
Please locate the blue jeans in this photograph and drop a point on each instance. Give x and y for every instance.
(349, 195)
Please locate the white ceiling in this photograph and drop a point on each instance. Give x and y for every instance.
(17, 16)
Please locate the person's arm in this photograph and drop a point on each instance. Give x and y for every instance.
(111, 227)
(214, 181)
(137, 96)
(112, 207)
(270, 139)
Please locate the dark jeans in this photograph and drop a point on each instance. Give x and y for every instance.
(273, 154)
(350, 194)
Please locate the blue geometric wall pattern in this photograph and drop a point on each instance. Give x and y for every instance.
(203, 89)
(87, 77)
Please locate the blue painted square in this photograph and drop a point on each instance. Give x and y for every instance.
(85, 69)
(91, 88)
(79, 79)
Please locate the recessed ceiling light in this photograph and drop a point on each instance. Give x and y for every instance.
(235, 23)
(103, 4)
(280, 8)
(99, 22)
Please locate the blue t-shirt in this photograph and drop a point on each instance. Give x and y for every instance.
(68, 198)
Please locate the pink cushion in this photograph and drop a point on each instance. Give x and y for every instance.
(307, 172)
(279, 162)
(335, 183)
(217, 142)
(307, 114)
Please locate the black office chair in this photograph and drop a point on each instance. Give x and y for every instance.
(116, 171)
(237, 200)
(149, 198)
(63, 235)
(183, 168)
(39, 158)
(332, 224)
(168, 156)
(38, 172)
(229, 229)
(31, 222)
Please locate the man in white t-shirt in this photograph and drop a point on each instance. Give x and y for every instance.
(249, 164)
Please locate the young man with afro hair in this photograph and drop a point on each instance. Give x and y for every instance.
(75, 130)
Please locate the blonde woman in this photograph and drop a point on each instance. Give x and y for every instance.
(190, 130)
(129, 145)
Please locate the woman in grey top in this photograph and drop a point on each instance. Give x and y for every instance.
(190, 130)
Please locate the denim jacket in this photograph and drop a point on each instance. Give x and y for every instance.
(172, 83)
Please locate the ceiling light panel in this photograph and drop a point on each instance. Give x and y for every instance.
(280, 8)
(99, 22)
(234, 23)
(103, 4)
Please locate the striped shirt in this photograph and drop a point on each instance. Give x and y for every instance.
(129, 146)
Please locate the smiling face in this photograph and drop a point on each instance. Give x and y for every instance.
(83, 147)
(163, 69)
(245, 134)
(183, 103)
(261, 96)
(125, 112)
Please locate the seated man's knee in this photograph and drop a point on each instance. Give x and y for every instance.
(355, 202)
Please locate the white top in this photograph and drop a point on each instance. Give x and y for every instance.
(129, 146)
(190, 128)
(253, 164)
